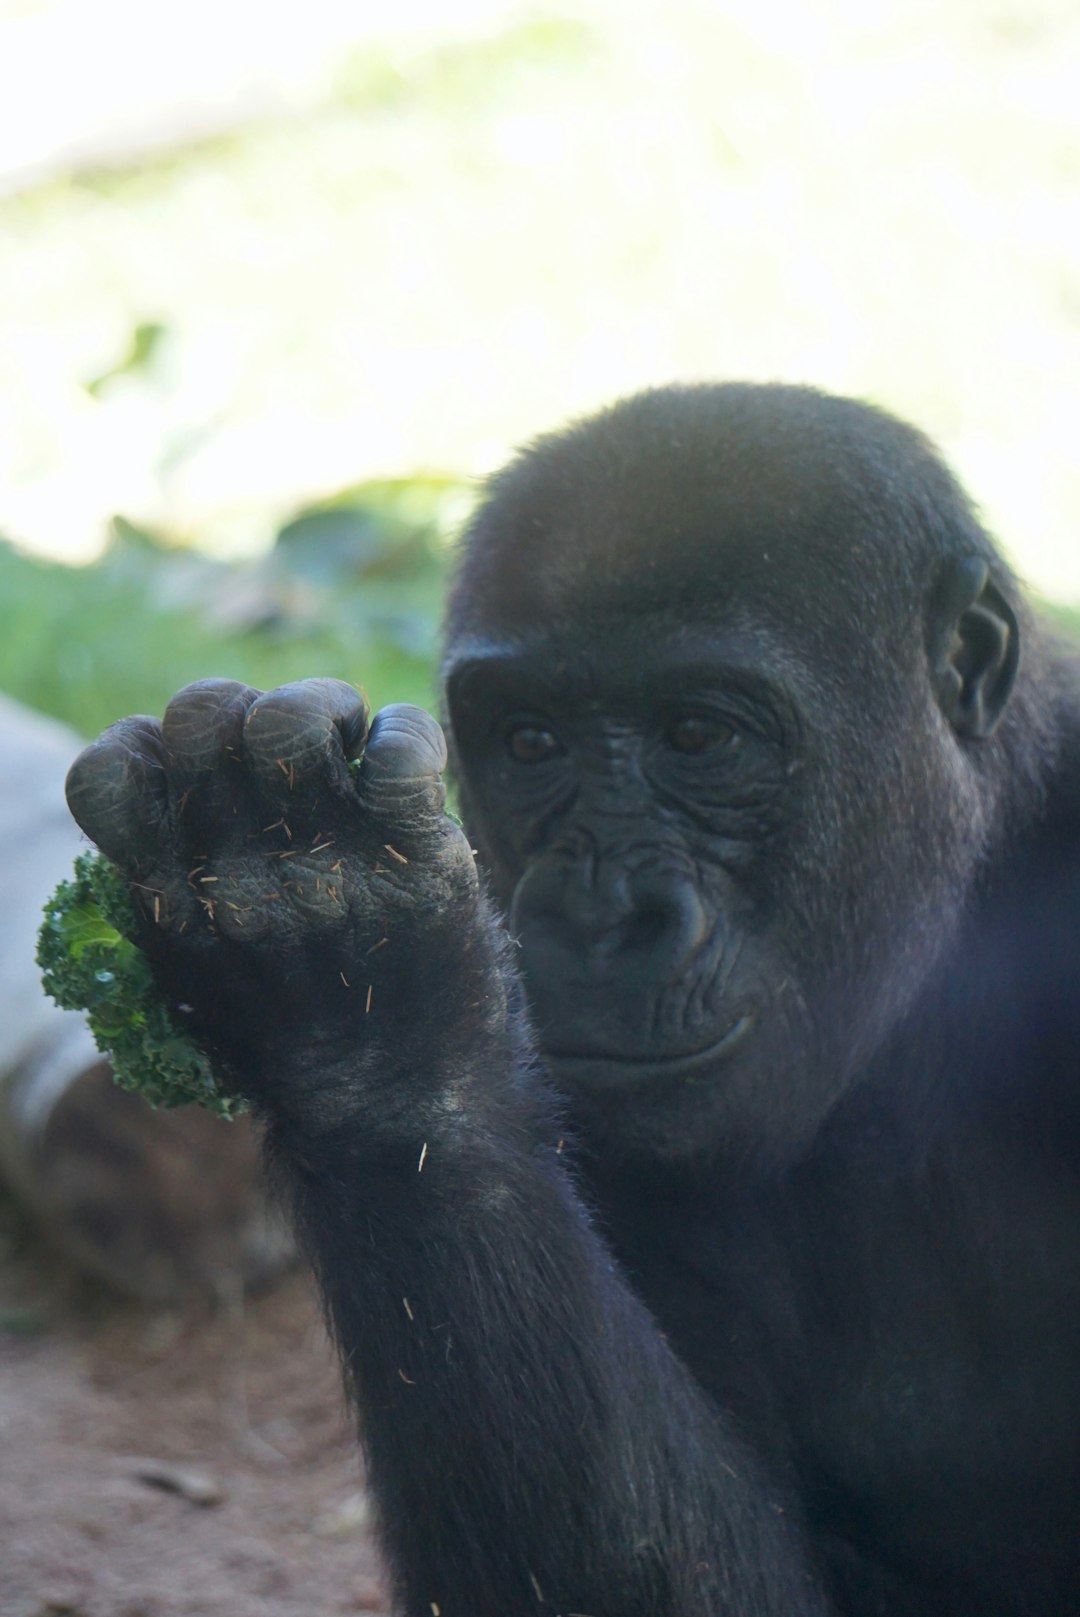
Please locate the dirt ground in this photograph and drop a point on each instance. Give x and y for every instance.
(161, 1465)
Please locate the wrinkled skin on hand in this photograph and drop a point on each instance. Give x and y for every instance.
(282, 845)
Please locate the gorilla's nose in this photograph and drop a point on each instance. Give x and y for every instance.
(597, 918)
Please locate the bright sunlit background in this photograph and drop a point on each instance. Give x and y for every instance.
(251, 256)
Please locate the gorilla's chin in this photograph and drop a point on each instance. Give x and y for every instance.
(585, 1068)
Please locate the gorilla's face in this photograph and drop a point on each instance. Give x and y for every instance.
(708, 703)
(640, 802)
(713, 875)
(626, 798)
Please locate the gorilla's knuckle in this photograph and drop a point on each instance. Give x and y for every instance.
(198, 714)
(406, 741)
(283, 721)
(113, 786)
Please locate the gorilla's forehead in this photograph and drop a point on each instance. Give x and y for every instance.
(776, 501)
(591, 569)
(609, 666)
(761, 604)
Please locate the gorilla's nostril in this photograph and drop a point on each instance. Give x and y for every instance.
(669, 923)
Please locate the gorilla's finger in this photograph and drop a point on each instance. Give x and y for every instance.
(299, 738)
(116, 791)
(405, 743)
(401, 776)
(202, 727)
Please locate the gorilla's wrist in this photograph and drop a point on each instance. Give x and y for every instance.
(377, 1101)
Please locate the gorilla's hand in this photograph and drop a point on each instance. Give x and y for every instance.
(300, 884)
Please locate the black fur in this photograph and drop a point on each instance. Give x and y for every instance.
(738, 1274)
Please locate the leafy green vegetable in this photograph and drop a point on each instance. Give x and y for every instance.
(90, 962)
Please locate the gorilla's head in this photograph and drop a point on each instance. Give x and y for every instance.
(726, 675)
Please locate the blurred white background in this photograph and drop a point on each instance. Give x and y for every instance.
(249, 254)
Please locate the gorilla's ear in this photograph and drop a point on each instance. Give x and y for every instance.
(974, 648)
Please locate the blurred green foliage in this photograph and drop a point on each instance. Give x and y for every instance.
(146, 340)
(351, 589)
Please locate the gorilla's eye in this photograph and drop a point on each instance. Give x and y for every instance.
(694, 734)
(531, 743)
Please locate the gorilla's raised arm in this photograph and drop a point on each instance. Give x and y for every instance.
(532, 1442)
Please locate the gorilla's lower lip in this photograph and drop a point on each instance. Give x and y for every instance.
(606, 1066)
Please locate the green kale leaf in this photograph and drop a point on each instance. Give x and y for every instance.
(91, 962)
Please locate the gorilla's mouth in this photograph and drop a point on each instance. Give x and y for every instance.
(601, 1067)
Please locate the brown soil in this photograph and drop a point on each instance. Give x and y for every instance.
(161, 1465)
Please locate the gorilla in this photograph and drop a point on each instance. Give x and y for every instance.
(688, 1149)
